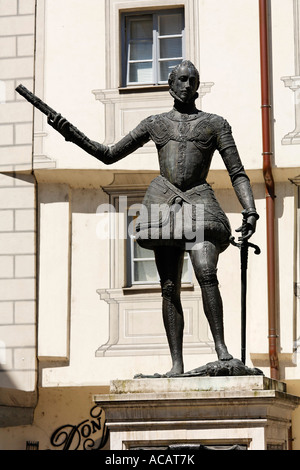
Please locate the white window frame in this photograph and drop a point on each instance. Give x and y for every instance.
(113, 14)
(156, 59)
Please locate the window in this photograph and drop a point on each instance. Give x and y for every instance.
(153, 44)
(141, 267)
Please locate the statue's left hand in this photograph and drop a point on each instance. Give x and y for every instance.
(249, 229)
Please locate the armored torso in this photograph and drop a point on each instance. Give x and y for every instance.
(186, 143)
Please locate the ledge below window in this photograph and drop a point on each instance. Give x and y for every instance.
(143, 89)
(155, 288)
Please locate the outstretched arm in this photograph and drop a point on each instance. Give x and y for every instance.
(135, 139)
(107, 155)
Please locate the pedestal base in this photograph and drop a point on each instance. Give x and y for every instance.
(251, 412)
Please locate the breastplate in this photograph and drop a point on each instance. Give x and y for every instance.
(185, 145)
(182, 128)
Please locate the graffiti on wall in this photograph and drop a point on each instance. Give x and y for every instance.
(90, 434)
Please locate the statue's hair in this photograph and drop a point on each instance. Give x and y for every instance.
(184, 63)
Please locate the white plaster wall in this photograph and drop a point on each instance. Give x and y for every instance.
(54, 265)
(74, 66)
(230, 59)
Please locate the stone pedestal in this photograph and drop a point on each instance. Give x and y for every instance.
(252, 412)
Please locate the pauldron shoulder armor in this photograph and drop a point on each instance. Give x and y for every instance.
(222, 129)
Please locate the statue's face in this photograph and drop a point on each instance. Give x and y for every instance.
(185, 84)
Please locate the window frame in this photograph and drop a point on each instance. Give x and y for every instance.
(130, 261)
(156, 59)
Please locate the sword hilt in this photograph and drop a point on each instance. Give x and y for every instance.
(244, 243)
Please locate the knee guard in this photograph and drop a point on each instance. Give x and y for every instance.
(209, 279)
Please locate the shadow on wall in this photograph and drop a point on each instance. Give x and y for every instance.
(16, 406)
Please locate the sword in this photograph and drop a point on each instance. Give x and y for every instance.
(244, 248)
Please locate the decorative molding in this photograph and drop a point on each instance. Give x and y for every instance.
(130, 184)
(293, 138)
(136, 325)
(40, 160)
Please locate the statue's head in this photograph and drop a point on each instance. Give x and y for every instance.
(184, 82)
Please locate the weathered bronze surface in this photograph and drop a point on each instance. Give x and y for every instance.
(186, 139)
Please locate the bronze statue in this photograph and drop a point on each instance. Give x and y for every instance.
(186, 140)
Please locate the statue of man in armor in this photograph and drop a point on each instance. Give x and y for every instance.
(186, 140)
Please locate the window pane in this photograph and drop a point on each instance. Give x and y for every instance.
(140, 51)
(141, 72)
(140, 252)
(145, 271)
(165, 68)
(185, 271)
(171, 47)
(141, 28)
(170, 24)
(154, 38)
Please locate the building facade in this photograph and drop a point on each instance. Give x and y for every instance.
(79, 304)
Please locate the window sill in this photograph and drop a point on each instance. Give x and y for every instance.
(152, 288)
(143, 89)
